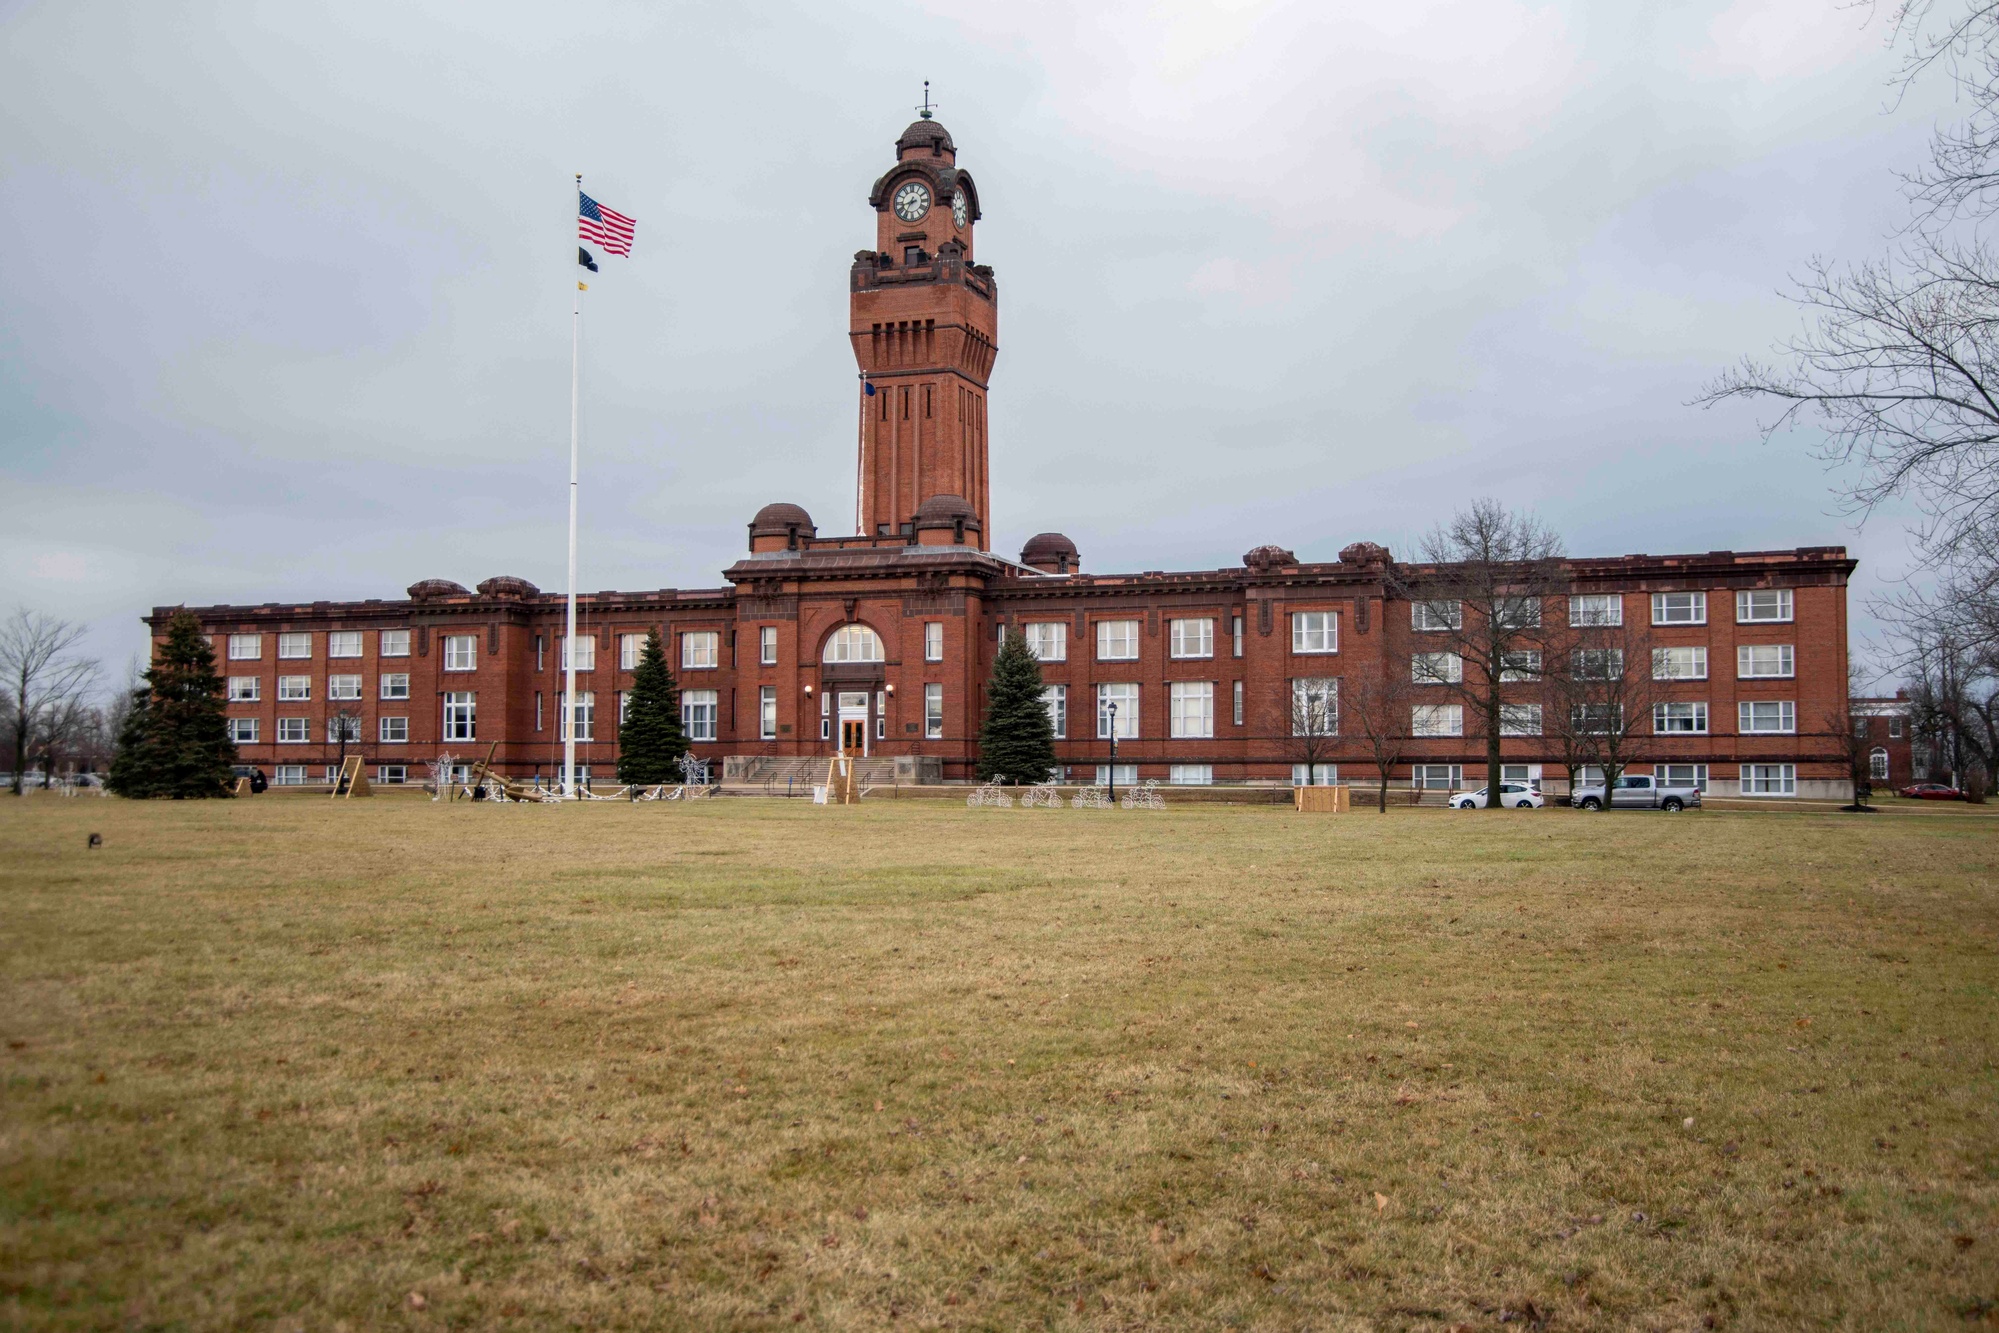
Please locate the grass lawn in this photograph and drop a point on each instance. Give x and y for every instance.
(287, 1063)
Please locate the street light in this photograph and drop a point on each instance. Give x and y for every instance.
(1112, 706)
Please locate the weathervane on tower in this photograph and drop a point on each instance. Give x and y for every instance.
(925, 110)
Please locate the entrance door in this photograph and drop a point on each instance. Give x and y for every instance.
(853, 706)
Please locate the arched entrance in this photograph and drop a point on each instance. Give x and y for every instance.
(851, 671)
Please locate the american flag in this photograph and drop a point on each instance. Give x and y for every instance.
(606, 227)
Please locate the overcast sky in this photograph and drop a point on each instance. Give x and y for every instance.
(284, 308)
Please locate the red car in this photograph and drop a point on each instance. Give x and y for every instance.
(1932, 791)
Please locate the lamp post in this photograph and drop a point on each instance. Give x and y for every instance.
(1112, 706)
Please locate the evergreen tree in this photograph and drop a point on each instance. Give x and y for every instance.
(176, 742)
(1017, 739)
(650, 741)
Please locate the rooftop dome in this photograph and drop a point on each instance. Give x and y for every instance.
(923, 133)
(425, 589)
(507, 585)
(943, 511)
(1268, 557)
(1049, 551)
(778, 520)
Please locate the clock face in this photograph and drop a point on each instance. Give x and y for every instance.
(912, 201)
(959, 211)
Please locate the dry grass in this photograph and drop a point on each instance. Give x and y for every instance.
(285, 1063)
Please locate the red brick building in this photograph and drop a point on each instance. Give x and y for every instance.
(881, 640)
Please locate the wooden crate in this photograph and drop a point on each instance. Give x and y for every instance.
(1321, 800)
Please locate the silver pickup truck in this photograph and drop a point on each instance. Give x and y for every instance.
(1636, 792)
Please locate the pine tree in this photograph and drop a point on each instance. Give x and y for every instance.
(176, 743)
(650, 740)
(1016, 740)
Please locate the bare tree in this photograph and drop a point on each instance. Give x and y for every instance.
(41, 676)
(1315, 722)
(343, 725)
(1605, 695)
(1377, 711)
(1848, 730)
(1898, 361)
(1945, 643)
(1479, 598)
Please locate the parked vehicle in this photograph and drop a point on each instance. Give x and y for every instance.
(1931, 791)
(1512, 796)
(1638, 792)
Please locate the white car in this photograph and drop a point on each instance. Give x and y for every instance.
(1512, 796)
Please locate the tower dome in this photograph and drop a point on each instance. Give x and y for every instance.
(1050, 552)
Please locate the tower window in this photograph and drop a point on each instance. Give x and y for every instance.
(913, 255)
(905, 404)
(926, 400)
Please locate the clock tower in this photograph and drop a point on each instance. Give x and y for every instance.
(924, 320)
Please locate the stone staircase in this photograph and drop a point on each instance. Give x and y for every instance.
(773, 776)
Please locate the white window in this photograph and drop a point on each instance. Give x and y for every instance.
(1764, 661)
(1056, 698)
(461, 716)
(243, 730)
(1238, 703)
(1767, 717)
(343, 727)
(343, 687)
(344, 643)
(825, 717)
(933, 712)
(1681, 775)
(1436, 615)
(245, 689)
(1117, 640)
(245, 647)
(586, 653)
(767, 712)
(1436, 668)
(767, 644)
(585, 715)
(881, 714)
(292, 731)
(461, 652)
(1437, 720)
(393, 775)
(1235, 633)
(1669, 719)
(540, 648)
(699, 712)
(394, 643)
(1596, 609)
(1894, 728)
(1125, 698)
(1191, 775)
(1315, 706)
(1679, 608)
(852, 643)
(1877, 766)
(393, 730)
(1314, 775)
(1436, 777)
(395, 685)
(1046, 639)
(1597, 664)
(1679, 663)
(1191, 638)
(1520, 665)
(1763, 604)
(1520, 719)
(1518, 612)
(624, 706)
(1596, 719)
(1769, 779)
(1191, 709)
(537, 710)
(1125, 773)
(289, 775)
(294, 689)
(629, 648)
(295, 645)
(1315, 632)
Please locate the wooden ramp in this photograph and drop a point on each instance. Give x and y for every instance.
(353, 779)
(1321, 800)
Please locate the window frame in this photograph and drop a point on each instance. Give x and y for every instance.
(1424, 611)
(255, 644)
(393, 685)
(1304, 689)
(1105, 639)
(1509, 728)
(392, 643)
(1190, 710)
(767, 712)
(1787, 661)
(344, 687)
(1665, 655)
(294, 689)
(1745, 605)
(292, 639)
(1453, 716)
(293, 731)
(1310, 627)
(1422, 668)
(841, 643)
(1202, 645)
(238, 695)
(1697, 713)
(711, 700)
(1787, 717)
(461, 653)
(1055, 698)
(386, 724)
(461, 715)
(1579, 617)
(244, 730)
(766, 645)
(1038, 633)
(1128, 700)
(1662, 603)
(338, 640)
(1785, 775)
(933, 712)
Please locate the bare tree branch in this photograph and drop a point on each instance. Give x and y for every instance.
(41, 678)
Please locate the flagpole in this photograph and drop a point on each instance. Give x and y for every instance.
(568, 714)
